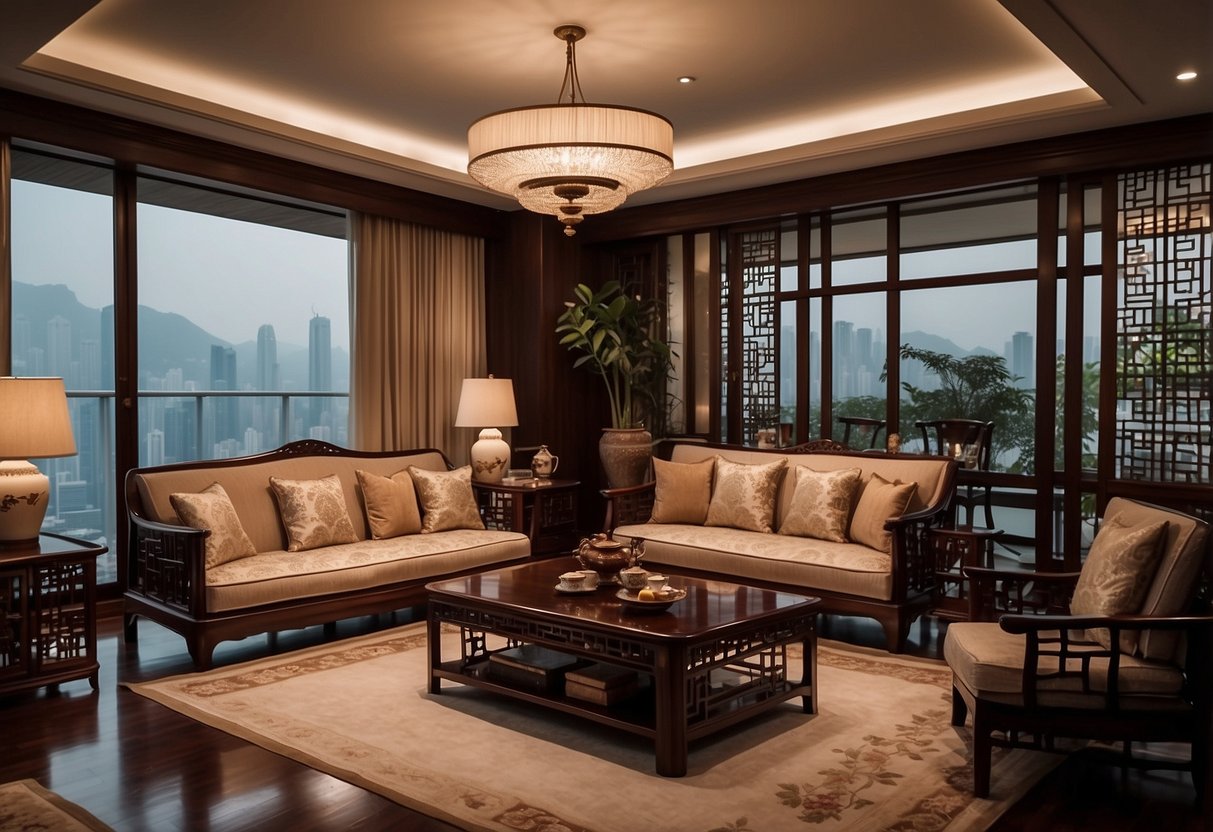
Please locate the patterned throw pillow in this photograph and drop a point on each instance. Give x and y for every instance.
(313, 512)
(1117, 574)
(682, 491)
(446, 499)
(391, 504)
(212, 509)
(744, 495)
(821, 504)
(879, 501)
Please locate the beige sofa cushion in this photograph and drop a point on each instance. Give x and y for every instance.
(248, 484)
(391, 504)
(988, 660)
(212, 509)
(1119, 569)
(821, 503)
(271, 577)
(845, 568)
(682, 491)
(743, 495)
(313, 512)
(879, 501)
(446, 499)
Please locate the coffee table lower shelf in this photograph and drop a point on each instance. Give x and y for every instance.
(676, 702)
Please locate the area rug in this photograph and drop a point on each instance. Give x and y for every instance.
(880, 754)
(25, 805)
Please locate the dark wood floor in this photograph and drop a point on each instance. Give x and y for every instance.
(139, 766)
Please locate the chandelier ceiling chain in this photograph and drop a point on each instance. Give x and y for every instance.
(570, 159)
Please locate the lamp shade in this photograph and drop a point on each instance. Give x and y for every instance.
(486, 403)
(34, 419)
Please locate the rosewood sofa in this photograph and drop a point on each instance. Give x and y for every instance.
(892, 583)
(271, 589)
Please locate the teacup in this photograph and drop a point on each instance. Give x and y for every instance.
(591, 578)
(634, 578)
(572, 581)
(656, 582)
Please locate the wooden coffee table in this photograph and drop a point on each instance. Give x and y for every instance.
(715, 658)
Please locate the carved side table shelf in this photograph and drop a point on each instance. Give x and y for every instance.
(48, 612)
(954, 549)
(545, 510)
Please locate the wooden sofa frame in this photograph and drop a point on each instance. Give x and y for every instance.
(912, 553)
(166, 583)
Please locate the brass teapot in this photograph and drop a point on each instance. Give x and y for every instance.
(607, 556)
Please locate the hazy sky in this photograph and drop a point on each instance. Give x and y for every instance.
(229, 277)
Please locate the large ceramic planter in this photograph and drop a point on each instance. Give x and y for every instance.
(626, 454)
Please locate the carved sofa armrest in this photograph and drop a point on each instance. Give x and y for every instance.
(993, 592)
(628, 505)
(168, 564)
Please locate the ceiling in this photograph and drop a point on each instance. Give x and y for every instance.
(784, 89)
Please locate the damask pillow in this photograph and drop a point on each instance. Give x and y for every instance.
(821, 503)
(1117, 574)
(682, 491)
(879, 501)
(446, 499)
(313, 512)
(743, 496)
(212, 509)
(391, 504)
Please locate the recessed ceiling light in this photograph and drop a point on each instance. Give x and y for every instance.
(1187, 75)
(686, 79)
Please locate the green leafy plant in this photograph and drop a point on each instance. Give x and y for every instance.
(617, 336)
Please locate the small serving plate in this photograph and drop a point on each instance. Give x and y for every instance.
(632, 602)
(585, 590)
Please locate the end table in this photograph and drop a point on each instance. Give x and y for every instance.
(545, 510)
(48, 612)
(953, 549)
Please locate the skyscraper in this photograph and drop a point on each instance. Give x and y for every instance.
(267, 358)
(223, 377)
(59, 346)
(1023, 360)
(319, 368)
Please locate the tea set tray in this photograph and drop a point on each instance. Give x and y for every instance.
(633, 602)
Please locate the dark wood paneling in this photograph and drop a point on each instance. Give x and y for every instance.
(127, 141)
(1152, 143)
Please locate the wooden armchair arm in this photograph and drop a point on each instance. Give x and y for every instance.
(993, 592)
(167, 563)
(628, 505)
(1061, 640)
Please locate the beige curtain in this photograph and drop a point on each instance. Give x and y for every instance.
(417, 330)
(6, 260)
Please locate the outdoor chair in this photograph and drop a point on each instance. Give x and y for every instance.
(972, 438)
(1119, 652)
(864, 428)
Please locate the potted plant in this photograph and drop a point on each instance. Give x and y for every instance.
(617, 336)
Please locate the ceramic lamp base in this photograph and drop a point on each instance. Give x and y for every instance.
(490, 456)
(24, 494)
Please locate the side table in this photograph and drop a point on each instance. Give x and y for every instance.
(955, 548)
(48, 612)
(545, 510)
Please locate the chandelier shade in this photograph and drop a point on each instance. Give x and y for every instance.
(570, 159)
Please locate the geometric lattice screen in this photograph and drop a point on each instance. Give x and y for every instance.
(758, 270)
(1164, 326)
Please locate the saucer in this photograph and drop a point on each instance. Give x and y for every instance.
(633, 603)
(585, 590)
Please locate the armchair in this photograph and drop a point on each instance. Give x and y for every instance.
(1128, 659)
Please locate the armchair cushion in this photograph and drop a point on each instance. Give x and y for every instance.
(682, 491)
(821, 503)
(1117, 574)
(879, 501)
(744, 495)
(988, 661)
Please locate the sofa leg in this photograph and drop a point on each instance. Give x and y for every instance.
(982, 749)
(896, 632)
(960, 710)
(201, 651)
(130, 628)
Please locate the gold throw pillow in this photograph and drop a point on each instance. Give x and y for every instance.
(682, 491)
(743, 496)
(391, 504)
(446, 499)
(879, 501)
(313, 512)
(212, 509)
(821, 504)
(1117, 574)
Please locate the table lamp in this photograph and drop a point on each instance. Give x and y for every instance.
(488, 403)
(34, 423)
